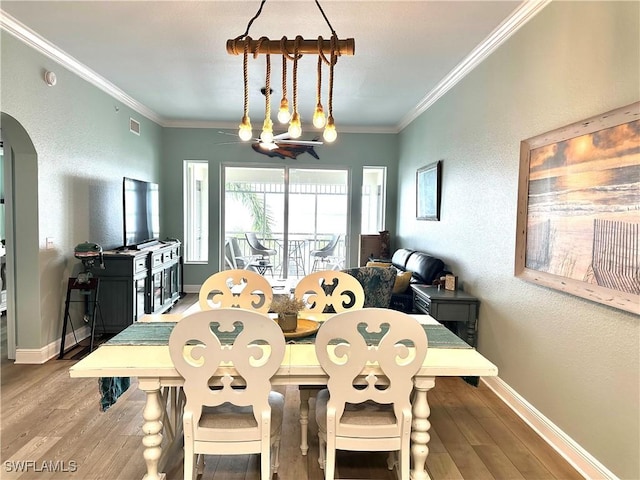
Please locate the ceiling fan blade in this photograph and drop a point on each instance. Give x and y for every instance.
(300, 142)
(227, 133)
(282, 136)
(239, 139)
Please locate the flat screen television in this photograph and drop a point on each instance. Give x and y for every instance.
(141, 204)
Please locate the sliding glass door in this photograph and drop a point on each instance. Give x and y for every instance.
(293, 212)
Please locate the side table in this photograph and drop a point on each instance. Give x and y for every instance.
(449, 306)
(261, 267)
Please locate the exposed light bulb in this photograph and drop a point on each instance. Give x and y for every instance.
(295, 127)
(267, 131)
(244, 131)
(283, 114)
(319, 120)
(267, 136)
(330, 134)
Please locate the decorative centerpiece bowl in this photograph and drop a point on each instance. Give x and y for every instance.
(287, 309)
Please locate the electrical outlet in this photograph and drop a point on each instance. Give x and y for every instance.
(49, 243)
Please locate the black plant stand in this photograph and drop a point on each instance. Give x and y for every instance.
(89, 289)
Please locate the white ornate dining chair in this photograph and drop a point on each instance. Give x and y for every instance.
(238, 289)
(367, 412)
(237, 413)
(326, 288)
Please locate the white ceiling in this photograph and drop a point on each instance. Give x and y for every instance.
(170, 57)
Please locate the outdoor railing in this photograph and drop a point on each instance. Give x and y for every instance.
(300, 247)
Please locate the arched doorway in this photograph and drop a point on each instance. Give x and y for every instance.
(21, 228)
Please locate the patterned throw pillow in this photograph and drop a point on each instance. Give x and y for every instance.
(377, 284)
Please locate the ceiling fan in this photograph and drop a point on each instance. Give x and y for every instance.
(282, 147)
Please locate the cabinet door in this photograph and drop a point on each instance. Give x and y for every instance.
(156, 291)
(115, 303)
(140, 300)
(166, 285)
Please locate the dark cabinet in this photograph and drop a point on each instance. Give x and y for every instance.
(123, 287)
(164, 268)
(455, 309)
(136, 282)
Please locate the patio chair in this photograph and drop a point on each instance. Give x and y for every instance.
(264, 254)
(219, 418)
(365, 412)
(234, 259)
(322, 255)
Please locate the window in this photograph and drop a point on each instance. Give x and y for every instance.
(374, 180)
(292, 211)
(196, 204)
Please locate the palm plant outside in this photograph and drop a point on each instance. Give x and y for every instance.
(261, 217)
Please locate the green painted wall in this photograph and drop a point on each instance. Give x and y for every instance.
(350, 150)
(73, 182)
(574, 360)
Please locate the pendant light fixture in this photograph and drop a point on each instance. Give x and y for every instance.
(293, 51)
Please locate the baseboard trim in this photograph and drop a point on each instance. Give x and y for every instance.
(41, 355)
(571, 451)
(191, 288)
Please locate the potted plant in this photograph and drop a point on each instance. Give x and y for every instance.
(287, 309)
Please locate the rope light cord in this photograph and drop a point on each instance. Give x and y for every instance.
(283, 112)
(267, 127)
(245, 74)
(295, 126)
(334, 59)
(319, 83)
(295, 73)
(330, 133)
(267, 93)
(244, 131)
(284, 77)
(319, 119)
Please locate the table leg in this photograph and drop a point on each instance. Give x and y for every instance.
(305, 394)
(420, 428)
(152, 427)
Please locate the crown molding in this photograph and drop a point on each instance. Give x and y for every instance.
(14, 27)
(520, 16)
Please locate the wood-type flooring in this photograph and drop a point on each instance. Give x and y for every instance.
(52, 424)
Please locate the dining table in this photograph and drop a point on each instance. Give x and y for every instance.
(142, 351)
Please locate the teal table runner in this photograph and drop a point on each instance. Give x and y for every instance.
(157, 333)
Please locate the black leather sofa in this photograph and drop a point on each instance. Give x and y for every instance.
(424, 269)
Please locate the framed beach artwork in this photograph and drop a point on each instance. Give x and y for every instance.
(579, 209)
(428, 181)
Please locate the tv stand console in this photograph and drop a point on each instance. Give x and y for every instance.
(137, 282)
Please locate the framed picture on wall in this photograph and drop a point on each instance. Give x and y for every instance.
(428, 180)
(578, 223)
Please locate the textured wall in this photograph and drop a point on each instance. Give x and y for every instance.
(350, 150)
(84, 148)
(574, 360)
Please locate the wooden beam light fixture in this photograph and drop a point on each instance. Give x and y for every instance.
(327, 51)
